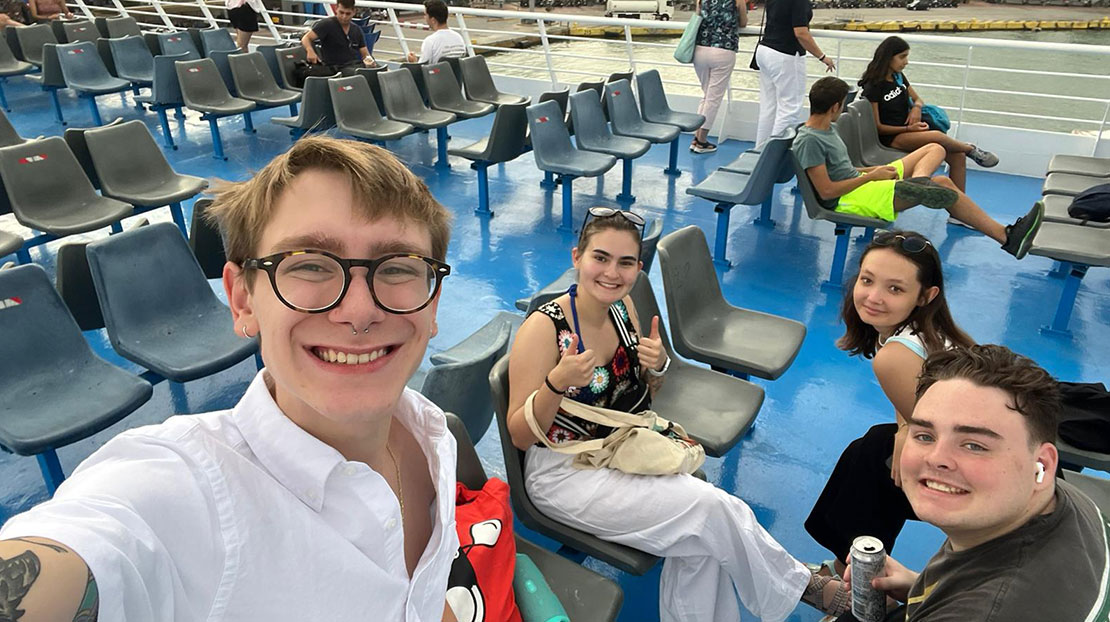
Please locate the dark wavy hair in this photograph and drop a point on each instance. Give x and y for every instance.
(880, 62)
(932, 322)
(1035, 393)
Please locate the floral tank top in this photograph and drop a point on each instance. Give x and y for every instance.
(615, 385)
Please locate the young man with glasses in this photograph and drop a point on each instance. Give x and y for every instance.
(327, 492)
(883, 191)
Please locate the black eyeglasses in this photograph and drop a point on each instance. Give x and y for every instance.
(315, 281)
(607, 212)
(909, 244)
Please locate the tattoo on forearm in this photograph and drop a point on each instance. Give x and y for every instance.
(90, 604)
(17, 575)
(52, 547)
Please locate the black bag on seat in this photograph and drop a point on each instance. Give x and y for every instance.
(1092, 204)
(1085, 418)
(304, 69)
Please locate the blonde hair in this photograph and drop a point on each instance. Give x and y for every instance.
(382, 187)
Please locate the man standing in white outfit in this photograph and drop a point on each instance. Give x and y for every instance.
(443, 41)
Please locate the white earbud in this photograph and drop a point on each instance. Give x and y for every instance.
(1040, 472)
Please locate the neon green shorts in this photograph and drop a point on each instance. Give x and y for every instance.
(874, 199)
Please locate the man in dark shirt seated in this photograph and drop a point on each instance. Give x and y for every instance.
(979, 465)
(342, 46)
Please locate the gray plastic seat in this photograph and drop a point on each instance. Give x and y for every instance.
(31, 39)
(402, 103)
(269, 51)
(316, 114)
(10, 244)
(1096, 488)
(217, 40)
(53, 390)
(1056, 210)
(223, 65)
(78, 31)
(616, 76)
(85, 73)
(51, 78)
(158, 308)
(593, 135)
(1078, 248)
(707, 328)
(206, 242)
(417, 77)
(10, 66)
(453, 61)
(122, 27)
(48, 191)
(254, 82)
(624, 115)
(287, 59)
(504, 143)
(461, 386)
(559, 286)
(845, 127)
(654, 107)
(597, 86)
(728, 188)
(355, 116)
(8, 135)
(479, 83)
(132, 169)
(1082, 457)
(1069, 184)
(726, 406)
(1080, 165)
(818, 209)
(79, 147)
(174, 43)
(370, 74)
(75, 285)
(623, 557)
(871, 151)
(444, 93)
(554, 154)
(165, 93)
(204, 90)
(585, 595)
(133, 60)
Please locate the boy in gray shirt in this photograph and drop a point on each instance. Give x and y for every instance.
(883, 191)
(978, 464)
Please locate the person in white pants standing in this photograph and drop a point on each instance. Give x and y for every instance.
(780, 55)
(714, 58)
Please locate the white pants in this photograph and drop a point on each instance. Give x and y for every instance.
(782, 90)
(714, 69)
(712, 544)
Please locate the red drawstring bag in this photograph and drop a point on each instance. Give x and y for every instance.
(480, 586)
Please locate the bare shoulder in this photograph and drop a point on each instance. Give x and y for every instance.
(632, 313)
(46, 581)
(896, 358)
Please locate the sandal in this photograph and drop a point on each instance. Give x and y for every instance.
(814, 596)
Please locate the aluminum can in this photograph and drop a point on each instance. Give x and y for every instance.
(868, 559)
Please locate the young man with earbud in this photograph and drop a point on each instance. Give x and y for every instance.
(978, 464)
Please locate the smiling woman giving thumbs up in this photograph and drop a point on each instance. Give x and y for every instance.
(586, 346)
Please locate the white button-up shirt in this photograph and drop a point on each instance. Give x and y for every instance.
(242, 515)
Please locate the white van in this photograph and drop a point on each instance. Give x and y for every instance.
(640, 9)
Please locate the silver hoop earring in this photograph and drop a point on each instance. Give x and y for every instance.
(244, 331)
(366, 330)
(353, 331)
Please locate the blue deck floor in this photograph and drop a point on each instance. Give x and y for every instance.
(821, 403)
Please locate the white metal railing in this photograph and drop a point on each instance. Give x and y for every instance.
(1078, 99)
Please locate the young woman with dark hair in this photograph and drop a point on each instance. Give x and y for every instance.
(896, 315)
(897, 112)
(589, 345)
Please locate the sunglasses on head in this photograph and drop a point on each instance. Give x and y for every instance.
(609, 212)
(908, 243)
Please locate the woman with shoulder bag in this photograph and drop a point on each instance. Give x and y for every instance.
(897, 108)
(780, 55)
(714, 58)
(585, 346)
(896, 315)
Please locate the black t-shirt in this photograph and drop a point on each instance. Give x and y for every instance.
(893, 100)
(782, 17)
(338, 47)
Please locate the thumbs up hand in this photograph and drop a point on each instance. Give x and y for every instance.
(652, 354)
(574, 369)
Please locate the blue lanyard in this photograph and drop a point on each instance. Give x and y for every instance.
(573, 291)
